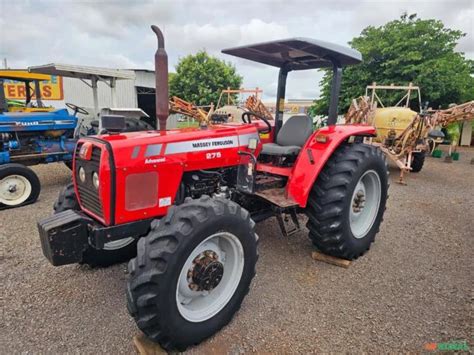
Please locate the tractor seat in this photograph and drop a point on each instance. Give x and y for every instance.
(291, 137)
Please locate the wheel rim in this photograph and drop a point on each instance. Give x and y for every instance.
(365, 204)
(209, 277)
(14, 190)
(118, 244)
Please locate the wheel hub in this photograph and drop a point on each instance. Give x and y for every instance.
(14, 189)
(206, 272)
(365, 204)
(358, 203)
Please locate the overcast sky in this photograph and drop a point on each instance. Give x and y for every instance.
(117, 33)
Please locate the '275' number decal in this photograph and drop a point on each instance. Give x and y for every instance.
(213, 155)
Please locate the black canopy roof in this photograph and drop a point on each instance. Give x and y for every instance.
(297, 53)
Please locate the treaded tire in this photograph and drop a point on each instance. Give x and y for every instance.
(136, 125)
(30, 175)
(68, 164)
(67, 200)
(330, 200)
(417, 162)
(131, 125)
(154, 273)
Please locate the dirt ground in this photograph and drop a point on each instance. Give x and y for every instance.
(413, 287)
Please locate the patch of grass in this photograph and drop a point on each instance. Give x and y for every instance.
(187, 124)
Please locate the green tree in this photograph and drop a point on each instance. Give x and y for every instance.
(402, 51)
(200, 78)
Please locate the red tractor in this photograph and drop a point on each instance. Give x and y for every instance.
(185, 202)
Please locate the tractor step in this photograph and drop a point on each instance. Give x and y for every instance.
(288, 228)
(266, 182)
(277, 197)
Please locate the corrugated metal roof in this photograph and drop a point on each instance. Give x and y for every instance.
(81, 72)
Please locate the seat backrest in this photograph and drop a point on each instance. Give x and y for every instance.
(295, 131)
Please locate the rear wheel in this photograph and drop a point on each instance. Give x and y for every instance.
(19, 185)
(113, 252)
(131, 125)
(192, 271)
(347, 202)
(136, 125)
(418, 159)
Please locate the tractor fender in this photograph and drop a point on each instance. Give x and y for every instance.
(314, 155)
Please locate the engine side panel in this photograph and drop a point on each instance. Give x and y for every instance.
(34, 138)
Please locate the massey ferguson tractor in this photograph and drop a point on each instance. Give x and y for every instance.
(185, 202)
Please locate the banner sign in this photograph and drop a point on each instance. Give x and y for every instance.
(50, 89)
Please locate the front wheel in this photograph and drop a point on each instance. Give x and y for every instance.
(19, 185)
(347, 202)
(192, 271)
(113, 252)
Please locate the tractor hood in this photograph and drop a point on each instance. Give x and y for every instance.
(37, 121)
(185, 145)
(133, 167)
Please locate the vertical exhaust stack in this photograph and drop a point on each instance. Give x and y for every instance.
(161, 80)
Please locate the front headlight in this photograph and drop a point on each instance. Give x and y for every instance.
(95, 180)
(82, 174)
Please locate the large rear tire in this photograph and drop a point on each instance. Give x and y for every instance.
(136, 125)
(347, 202)
(192, 271)
(19, 185)
(132, 124)
(113, 252)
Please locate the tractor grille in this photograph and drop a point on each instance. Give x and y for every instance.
(88, 195)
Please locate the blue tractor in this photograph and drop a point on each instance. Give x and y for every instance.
(29, 138)
(31, 134)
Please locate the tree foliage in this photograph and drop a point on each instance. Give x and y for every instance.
(402, 51)
(200, 78)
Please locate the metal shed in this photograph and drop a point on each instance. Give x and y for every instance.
(90, 76)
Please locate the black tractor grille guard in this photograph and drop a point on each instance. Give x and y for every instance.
(88, 194)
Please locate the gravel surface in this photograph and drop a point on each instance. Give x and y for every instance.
(413, 287)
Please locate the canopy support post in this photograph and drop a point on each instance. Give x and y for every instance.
(335, 90)
(95, 95)
(28, 93)
(38, 94)
(280, 99)
(113, 91)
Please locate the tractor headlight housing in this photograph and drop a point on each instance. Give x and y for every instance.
(95, 180)
(82, 174)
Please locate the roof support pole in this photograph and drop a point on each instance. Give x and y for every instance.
(335, 90)
(113, 91)
(27, 92)
(280, 100)
(3, 99)
(95, 96)
(38, 94)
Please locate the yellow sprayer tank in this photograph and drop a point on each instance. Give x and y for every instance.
(389, 119)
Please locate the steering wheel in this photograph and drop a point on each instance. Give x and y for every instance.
(264, 119)
(77, 109)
